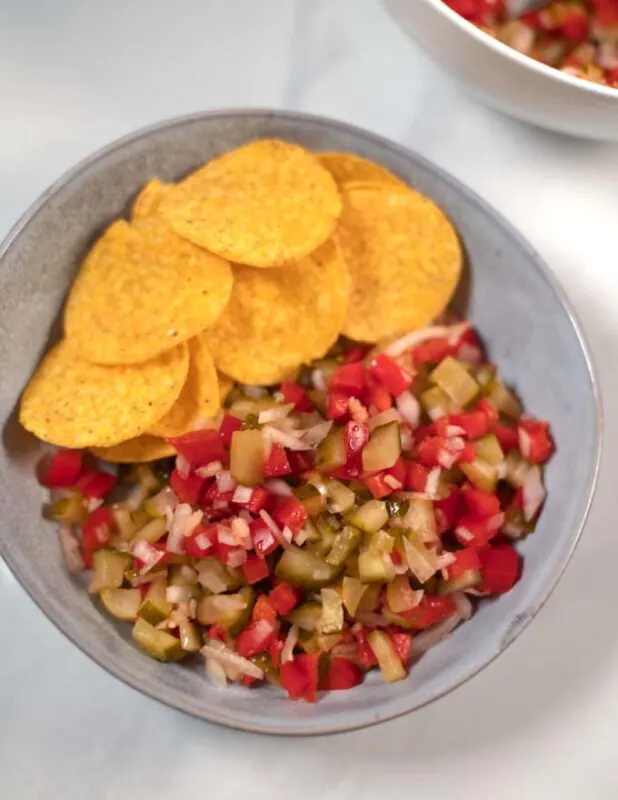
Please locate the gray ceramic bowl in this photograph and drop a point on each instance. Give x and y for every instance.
(511, 296)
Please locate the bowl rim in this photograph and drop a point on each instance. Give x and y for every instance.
(523, 60)
(115, 668)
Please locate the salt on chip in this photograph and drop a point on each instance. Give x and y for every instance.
(199, 398)
(135, 451)
(73, 403)
(404, 258)
(264, 204)
(147, 202)
(277, 319)
(142, 290)
(345, 167)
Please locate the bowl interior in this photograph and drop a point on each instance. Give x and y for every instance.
(508, 294)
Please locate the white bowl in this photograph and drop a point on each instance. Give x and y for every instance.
(503, 78)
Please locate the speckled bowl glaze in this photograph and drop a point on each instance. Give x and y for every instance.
(509, 293)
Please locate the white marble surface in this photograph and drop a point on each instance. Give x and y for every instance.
(540, 722)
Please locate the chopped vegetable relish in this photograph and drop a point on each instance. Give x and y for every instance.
(579, 37)
(343, 520)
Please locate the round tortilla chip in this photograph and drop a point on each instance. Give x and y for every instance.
(142, 290)
(404, 258)
(72, 403)
(135, 451)
(199, 398)
(264, 204)
(346, 167)
(147, 202)
(277, 319)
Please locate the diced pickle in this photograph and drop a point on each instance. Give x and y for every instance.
(397, 506)
(319, 400)
(485, 375)
(306, 616)
(372, 597)
(140, 517)
(190, 636)
(125, 525)
(466, 580)
(247, 457)
(346, 542)
(152, 531)
(121, 603)
(109, 569)
(304, 570)
(381, 542)
(326, 366)
(370, 517)
(517, 469)
(436, 402)
(352, 591)
(158, 644)
(421, 560)
(340, 497)
(212, 574)
(488, 449)
(422, 520)
(481, 474)
(383, 448)
(331, 452)
(504, 400)
(515, 523)
(147, 478)
(211, 612)
(331, 619)
(372, 567)
(68, 509)
(454, 379)
(389, 662)
(155, 607)
(182, 575)
(312, 499)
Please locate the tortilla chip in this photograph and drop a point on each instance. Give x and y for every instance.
(147, 202)
(135, 451)
(346, 167)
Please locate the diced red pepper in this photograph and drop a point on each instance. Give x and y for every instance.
(431, 351)
(92, 483)
(376, 396)
(429, 450)
(259, 499)
(449, 510)
(416, 476)
(96, 532)
(217, 632)
(348, 379)
(470, 338)
(483, 504)
(264, 609)
(488, 408)
(293, 393)
(507, 437)
(255, 569)
(294, 680)
(365, 653)
(264, 542)
(213, 496)
(277, 463)
(200, 447)
(474, 423)
(575, 25)
(430, 611)
(377, 485)
(229, 425)
(401, 642)
(348, 471)
(254, 638)
(500, 566)
(465, 560)
(539, 445)
(355, 437)
(300, 460)
(357, 353)
(308, 664)
(467, 455)
(337, 405)
(394, 378)
(274, 651)
(187, 489)
(201, 542)
(248, 680)
(341, 674)
(475, 531)
(284, 598)
(290, 512)
(61, 470)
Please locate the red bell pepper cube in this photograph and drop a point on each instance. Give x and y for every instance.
(401, 642)
(398, 470)
(248, 680)
(348, 471)
(337, 405)
(377, 485)
(500, 566)
(212, 495)
(429, 450)
(60, 470)
(575, 25)
(274, 651)
(255, 569)
(394, 378)
(217, 632)
(474, 423)
(465, 560)
(201, 542)
(187, 489)
(355, 437)
(300, 461)
(200, 447)
(376, 396)
(341, 674)
(259, 498)
(431, 351)
(348, 379)
(475, 531)
(264, 542)
(308, 663)
(229, 425)
(356, 353)
(264, 609)
(483, 504)
(293, 393)
(534, 440)
(365, 653)
(467, 455)
(277, 463)
(430, 611)
(290, 512)
(255, 638)
(96, 532)
(284, 598)
(471, 338)
(92, 483)
(416, 476)
(508, 437)
(449, 510)
(488, 408)
(294, 680)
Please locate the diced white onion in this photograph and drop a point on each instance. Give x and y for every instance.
(225, 482)
(228, 658)
(433, 481)
(254, 391)
(215, 671)
(176, 533)
(455, 332)
(286, 439)
(391, 480)
(178, 594)
(524, 442)
(501, 470)
(445, 560)
(242, 494)
(163, 500)
(192, 523)
(148, 554)
(209, 577)
(470, 354)
(410, 340)
(533, 493)
(409, 408)
(275, 529)
(372, 620)
(454, 430)
(464, 534)
(423, 641)
(317, 433)
(407, 439)
(279, 487)
(135, 498)
(92, 503)
(301, 537)
(436, 412)
(236, 558)
(496, 522)
(210, 470)
(463, 605)
(317, 378)
(71, 550)
(183, 466)
(287, 653)
(275, 414)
